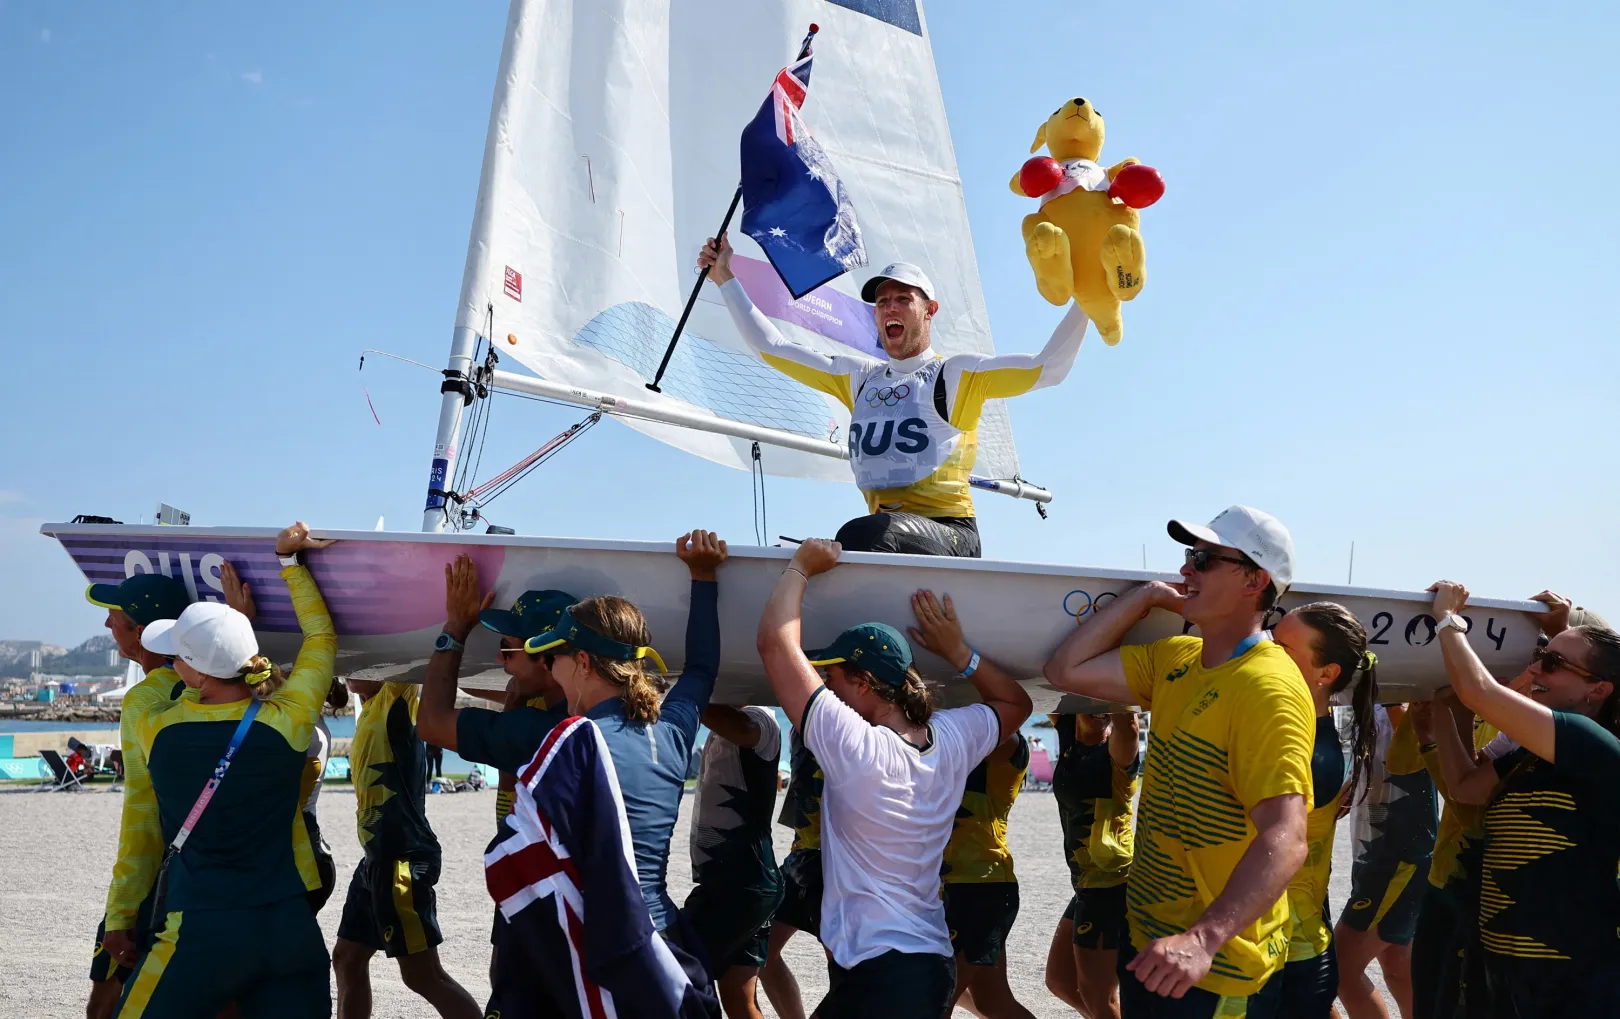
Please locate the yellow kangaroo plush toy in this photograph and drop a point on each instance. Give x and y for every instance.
(1084, 244)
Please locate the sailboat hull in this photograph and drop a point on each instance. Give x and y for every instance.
(386, 594)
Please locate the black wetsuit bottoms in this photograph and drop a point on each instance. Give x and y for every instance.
(894, 985)
(910, 534)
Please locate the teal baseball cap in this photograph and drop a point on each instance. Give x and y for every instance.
(532, 614)
(877, 648)
(145, 597)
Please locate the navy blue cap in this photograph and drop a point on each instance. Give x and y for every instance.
(570, 631)
(877, 648)
(145, 597)
(532, 614)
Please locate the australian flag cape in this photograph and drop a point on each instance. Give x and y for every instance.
(794, 205)
(565, 880)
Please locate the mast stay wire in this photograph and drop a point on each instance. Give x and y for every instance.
(757, 476)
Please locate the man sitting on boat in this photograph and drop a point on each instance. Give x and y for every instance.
(913, 433)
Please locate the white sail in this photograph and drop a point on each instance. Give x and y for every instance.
(612, 153)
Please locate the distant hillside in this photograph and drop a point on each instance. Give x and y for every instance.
(89, 658)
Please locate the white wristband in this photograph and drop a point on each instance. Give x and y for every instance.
(972, 665)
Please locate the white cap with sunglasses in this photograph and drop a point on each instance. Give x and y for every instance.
(1260, 536)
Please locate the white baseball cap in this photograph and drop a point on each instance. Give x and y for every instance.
(214, 639)
(1260, 536)
(900, 272)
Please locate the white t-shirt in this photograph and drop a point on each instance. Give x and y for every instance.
(320, 746)
(886, 814)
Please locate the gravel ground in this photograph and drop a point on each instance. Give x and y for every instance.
(61, 847)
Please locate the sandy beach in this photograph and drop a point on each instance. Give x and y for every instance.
(61, 848)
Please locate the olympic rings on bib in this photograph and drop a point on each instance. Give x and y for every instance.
(888, 396)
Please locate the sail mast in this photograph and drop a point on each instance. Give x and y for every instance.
(475, 284)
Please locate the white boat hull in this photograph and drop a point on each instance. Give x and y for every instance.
(386, 594)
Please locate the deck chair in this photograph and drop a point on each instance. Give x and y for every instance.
(61, 776)
(1039, 775)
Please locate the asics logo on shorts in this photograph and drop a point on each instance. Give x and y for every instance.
(888, 396)
(1083, 928)
(1361, 904)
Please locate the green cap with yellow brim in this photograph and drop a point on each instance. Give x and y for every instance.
(877, 648)
(575, 634)
(532, 614)
(144, 598)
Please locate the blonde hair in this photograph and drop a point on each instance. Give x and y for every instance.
(267, 686)
(617, 619)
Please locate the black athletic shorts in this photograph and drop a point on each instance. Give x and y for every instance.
(911, 534)
(1137, 1002)
(979, 917)
(733, 924)
(1588, 991)
(801, 892)
(391, 906)
(1386, 900)
(1098, 915)
(1310, 985)
(894, 985)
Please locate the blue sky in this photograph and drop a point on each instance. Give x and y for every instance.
(1375, 304)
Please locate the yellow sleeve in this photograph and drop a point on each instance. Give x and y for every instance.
(972, 379)
(833, 384)
(825, 373)
(140, 833)
(1146, 663)
(1270, 755)
(300, 699)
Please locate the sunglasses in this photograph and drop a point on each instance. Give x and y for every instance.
(1200, 558)
(1552, 661)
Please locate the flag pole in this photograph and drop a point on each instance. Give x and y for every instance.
(731, 210)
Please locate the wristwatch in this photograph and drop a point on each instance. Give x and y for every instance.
(445, 642)
(1451, 621)
(289, 560)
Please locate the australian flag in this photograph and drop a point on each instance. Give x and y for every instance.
(579, 941)
(794, 205)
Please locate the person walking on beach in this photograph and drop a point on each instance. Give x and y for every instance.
(226, 762)
(1227, 784)
(131, 606)
(391, 905)
(894, 771)
(1094, 782)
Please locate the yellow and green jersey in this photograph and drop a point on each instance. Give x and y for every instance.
(388, 763)
(1222, 739)
(977, 852)
(140, 836)
(913, 433)
(1310, 932)
(1459, 840)
(801, 807)
(1096, 808)
(240, 853)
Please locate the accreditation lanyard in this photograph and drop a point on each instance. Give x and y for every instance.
(1247, 643)
(220, 769)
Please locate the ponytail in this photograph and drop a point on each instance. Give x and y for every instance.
(911, 698)
(1341, 640)
(619, 620)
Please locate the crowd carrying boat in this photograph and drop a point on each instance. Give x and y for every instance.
(611, 150)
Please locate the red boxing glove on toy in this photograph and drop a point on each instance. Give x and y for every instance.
(1137, 185)
(1039, 175)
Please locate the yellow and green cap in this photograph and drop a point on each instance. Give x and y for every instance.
(145, 597)
(877, 648)
(532, 614)
(570, 631)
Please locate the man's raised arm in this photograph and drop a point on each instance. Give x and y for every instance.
(939, 631)
(436, 711)
(1088, 660)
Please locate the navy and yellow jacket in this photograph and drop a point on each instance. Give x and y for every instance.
(388, 762)
(240, 853)
(140, 837)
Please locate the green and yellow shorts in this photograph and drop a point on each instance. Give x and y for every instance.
(391, 906)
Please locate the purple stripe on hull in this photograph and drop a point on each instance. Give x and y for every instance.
(372, 588)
